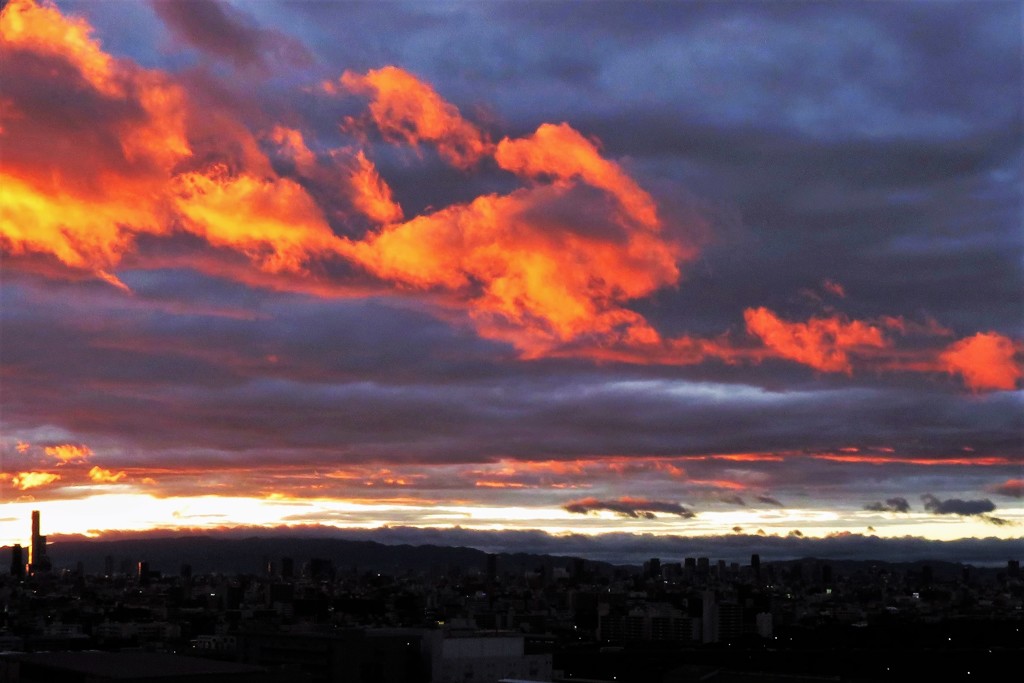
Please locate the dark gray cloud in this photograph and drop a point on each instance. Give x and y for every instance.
(628, 507)
(956, 506)
(221, 30)
(998, 521)
(365, 379)
(896, 504)
(768, 500)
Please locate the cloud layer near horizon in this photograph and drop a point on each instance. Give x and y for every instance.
(280, 251)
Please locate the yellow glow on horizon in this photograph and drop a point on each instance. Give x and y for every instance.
(93, 515)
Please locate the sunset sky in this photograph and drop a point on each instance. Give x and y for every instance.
(621, 270)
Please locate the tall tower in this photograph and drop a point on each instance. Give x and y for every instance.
(37, 559)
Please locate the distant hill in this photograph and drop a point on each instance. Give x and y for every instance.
(232, 555)
(208, 554)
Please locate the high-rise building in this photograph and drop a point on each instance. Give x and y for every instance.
(722, 619)
(17, 561)
(652, 568)
(37, 559)
(709, 615)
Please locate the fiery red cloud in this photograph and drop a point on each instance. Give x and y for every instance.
(986, 361)
(551, 268)
(823, 343)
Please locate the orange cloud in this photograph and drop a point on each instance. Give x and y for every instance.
(370, 194)
(78, 184)
(81, 194)
(561, 152)
(45, 30)
(83, 233)
(66, 453)
(405, 109)
(822, 343)
(102, 476)
(22, 447)
(30, 480)
(294, 146)
(986, 361)
(526, 277)
(485, 484)
(273, 221)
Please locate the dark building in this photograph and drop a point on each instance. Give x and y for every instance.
(123, 667)
(320, 569)
(336, 655)
(38, 562)
(17, 560)
(652, 568)
(755, 565)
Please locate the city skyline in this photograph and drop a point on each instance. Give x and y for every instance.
(615, 271)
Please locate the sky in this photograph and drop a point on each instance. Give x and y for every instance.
(547, 274)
